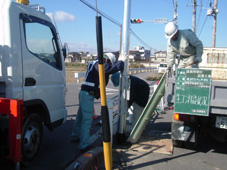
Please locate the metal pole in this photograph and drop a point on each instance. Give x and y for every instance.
(194, 17)
(214, 23)
(124, 83)
(150, 58)
(120, 40)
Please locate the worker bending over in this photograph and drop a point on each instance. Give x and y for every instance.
(139, 95)
(89, 91)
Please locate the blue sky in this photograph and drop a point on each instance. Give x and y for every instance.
(76, 22)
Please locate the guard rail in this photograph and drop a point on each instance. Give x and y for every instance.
(80, 75)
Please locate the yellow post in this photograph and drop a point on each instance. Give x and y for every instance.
(25, 2)
(107, 145)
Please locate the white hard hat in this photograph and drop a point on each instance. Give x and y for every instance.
(171, 29)
(111, 57)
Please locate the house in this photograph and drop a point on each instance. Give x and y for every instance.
(153, 58)
(73, 57)
(139, 53)
(79, 57)
(160, 56)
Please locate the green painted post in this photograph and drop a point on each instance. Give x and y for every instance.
(148, 111)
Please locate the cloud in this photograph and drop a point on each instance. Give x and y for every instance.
(81, 46)
(43, 47)
(61, 16)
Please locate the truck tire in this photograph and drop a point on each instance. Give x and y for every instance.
(32, 135)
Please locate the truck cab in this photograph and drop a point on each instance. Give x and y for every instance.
(32, 68)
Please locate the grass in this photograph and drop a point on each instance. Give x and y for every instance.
(72, 68)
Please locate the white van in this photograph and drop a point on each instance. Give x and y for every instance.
(162, 67)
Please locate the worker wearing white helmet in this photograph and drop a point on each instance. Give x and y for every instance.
(110, 56)
(186, 44)
(89, 91)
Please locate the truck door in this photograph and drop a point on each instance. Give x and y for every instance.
(43, 68)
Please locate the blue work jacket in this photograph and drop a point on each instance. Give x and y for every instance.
(91, 81)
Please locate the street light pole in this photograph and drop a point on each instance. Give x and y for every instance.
(124, 83)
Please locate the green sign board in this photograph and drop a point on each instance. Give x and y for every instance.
(192, 91)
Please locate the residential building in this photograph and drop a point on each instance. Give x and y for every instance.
(160, 56)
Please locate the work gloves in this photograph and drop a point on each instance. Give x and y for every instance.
(198, 60)
(123, 57)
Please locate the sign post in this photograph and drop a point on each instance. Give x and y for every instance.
(156, 21)
(160, 20)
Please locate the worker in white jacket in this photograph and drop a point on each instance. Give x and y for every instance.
(186, 44)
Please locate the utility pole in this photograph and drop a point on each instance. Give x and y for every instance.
(175, 12)
(215, 11)
(194, 17)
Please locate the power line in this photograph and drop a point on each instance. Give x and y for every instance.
(115, 22)
(203, 26)
(173, 3)
(202, 18)
(139, 39)
(200, 13)
(101, 13)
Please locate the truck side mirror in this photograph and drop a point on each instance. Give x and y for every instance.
(65, 50)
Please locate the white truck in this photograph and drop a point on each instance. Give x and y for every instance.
(187, 126)
(32, 68)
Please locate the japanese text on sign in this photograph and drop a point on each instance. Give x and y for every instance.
(192, 91)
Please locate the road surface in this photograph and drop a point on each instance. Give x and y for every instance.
(57, 150)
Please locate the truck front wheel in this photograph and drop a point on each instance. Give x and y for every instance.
(32, 135)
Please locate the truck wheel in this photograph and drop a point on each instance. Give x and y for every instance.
(32, 135)
(177, 143)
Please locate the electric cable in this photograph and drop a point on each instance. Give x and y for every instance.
(115, 22)
(101, 13)
(203, 25)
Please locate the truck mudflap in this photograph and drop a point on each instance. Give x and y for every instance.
(183, 132)
(15, 109)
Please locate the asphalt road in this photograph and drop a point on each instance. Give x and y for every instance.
(57, 150)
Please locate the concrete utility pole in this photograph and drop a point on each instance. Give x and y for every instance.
(194, 17)
(175, 12)
(215, 11)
